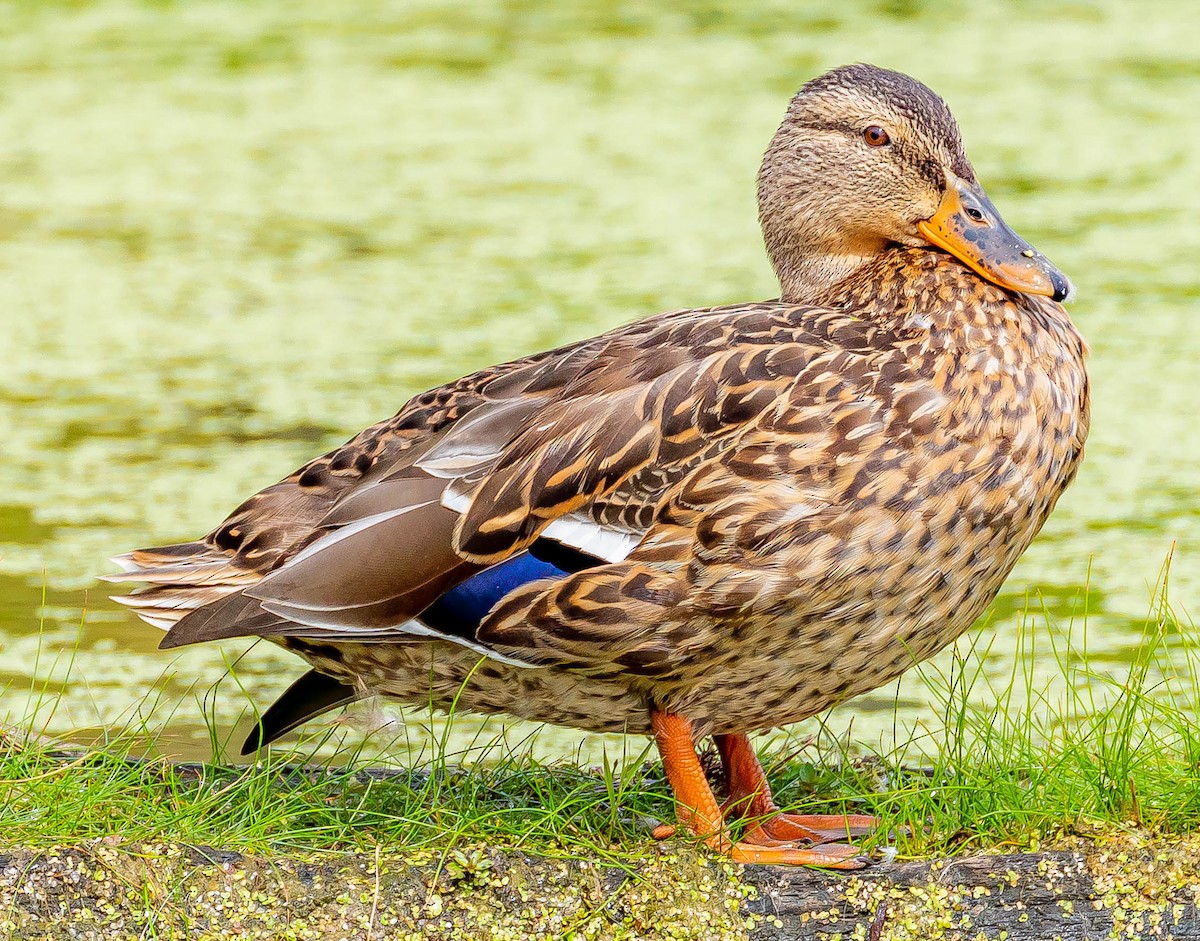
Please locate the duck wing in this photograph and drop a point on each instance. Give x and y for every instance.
(561, 458)
(768, 521)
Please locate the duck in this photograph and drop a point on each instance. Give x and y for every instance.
(706, 523)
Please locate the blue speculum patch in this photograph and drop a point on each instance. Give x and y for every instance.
(462, 609)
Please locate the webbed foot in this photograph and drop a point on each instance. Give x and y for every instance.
(780, 839)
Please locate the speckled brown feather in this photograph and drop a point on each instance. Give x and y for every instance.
(817, 495)
(859, 522)
(859, 525)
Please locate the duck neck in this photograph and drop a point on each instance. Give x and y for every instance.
(805, 278)
(811, 258)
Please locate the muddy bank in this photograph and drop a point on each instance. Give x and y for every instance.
(107, 890)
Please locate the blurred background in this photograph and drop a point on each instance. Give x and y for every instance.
(233, 233)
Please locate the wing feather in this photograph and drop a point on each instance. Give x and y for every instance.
(579, 446)
(586, 447)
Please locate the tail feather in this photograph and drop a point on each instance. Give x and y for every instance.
(365, 574)
(218, 572)
(310, 696)
(234, 615)
(180, 578)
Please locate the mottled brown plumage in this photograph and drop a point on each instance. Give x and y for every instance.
(765, 508)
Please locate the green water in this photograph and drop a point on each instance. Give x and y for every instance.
(232, 234)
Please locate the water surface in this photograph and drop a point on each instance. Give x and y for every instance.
(232, 234)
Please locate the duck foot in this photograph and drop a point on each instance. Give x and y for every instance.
(779, 853)
(750, 799)
(816, 828)
(769, 842)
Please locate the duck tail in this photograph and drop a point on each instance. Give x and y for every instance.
(179, 579)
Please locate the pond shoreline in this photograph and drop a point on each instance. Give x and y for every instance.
(108, 889)
(235, 234)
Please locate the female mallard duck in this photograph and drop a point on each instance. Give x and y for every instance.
(704, 523)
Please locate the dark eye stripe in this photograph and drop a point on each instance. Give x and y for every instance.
(932, 171)
(828, 126)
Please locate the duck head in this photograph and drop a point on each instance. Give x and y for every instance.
(866, 159)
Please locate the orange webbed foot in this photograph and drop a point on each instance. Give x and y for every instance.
(750, 799)
(817, 828)
(757, 847)
(780, 839)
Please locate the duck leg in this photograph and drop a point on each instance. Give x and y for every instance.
(750, 798)
(699, 811)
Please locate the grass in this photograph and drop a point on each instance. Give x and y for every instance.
(1013, 763)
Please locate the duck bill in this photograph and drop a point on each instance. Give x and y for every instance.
(968, 226)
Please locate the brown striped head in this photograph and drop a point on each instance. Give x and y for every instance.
(867, 159)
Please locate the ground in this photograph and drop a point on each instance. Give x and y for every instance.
(1118, 885)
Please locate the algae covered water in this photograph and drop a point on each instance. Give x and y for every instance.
(232, 234)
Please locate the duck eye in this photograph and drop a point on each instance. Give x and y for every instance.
(876, 136)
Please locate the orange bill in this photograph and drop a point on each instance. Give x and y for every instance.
(968, 226)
